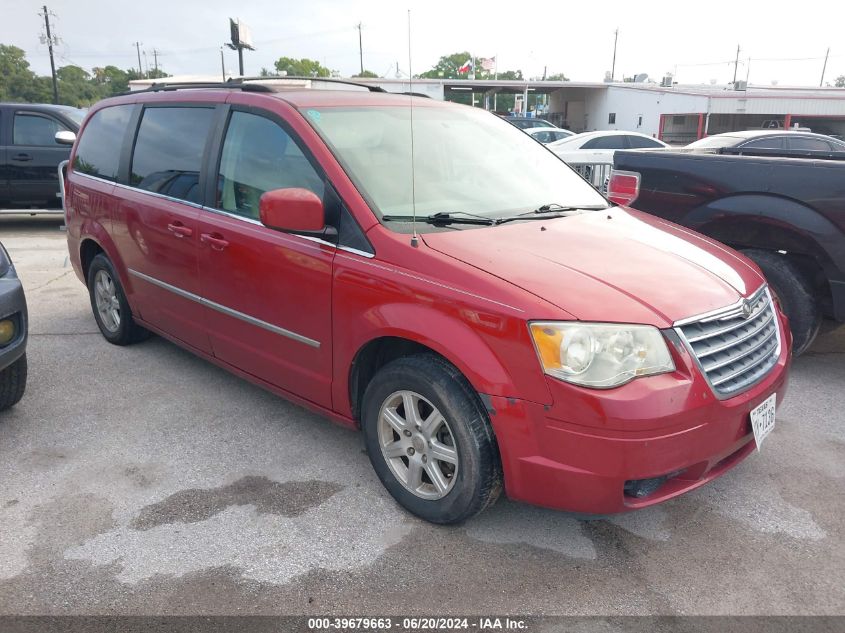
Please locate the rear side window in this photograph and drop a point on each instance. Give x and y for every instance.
(34, 129)
(615, 141)
(638, 142)
(98, 151)
(259, 156)
(805, 142)
(168, 151)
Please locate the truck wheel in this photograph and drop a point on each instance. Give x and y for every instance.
(429, 439)
(795, 294)
(111, 309)
(12, 383)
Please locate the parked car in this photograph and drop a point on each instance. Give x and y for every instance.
(13, 334)
(599, 146)
(787, 140)
(30, 153)
(524, 122)
(547, 135)
(788, 215)
(523, 336)
(591, 153)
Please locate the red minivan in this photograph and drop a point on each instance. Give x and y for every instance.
(429, 273)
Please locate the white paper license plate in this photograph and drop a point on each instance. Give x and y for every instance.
(763, 419)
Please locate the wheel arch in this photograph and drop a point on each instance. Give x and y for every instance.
(777, 224)
(449, 338)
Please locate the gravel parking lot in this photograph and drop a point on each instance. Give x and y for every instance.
(144, 480)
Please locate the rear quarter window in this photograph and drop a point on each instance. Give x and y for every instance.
(98, 151)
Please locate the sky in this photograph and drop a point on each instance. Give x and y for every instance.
(696, 41)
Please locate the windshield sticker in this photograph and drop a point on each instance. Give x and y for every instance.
(314, 115)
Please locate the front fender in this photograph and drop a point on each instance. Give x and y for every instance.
(493, 352)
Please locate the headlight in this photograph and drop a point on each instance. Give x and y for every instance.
(600, 355)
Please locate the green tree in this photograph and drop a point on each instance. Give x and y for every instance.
(840, 81)
(367, 74)
(77, 87)
(557, 77)
(111, 80)
(447, 67)
(301, 67)
(17, 81)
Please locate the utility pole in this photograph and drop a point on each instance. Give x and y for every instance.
(155, 60)
(613, 67)
(46, 15)
(824, 68)
(222, 63)
(360, 48)
(736, 63)
(137, 46)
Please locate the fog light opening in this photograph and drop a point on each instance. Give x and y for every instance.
(7, 331)
(641, 488)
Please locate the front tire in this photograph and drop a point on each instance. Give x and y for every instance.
(109, 304)
(429, 439)
(795, 293)
(13, 383)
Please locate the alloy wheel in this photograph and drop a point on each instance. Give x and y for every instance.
(105, 297)
(418, 445)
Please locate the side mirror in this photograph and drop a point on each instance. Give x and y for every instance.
(65, 137)
(293, 209)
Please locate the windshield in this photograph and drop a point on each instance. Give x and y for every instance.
(717, 141)
(74, 114)
(467, 160)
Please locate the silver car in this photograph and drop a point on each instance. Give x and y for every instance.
(13, 334)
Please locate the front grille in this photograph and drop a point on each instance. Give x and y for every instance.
(734, 350)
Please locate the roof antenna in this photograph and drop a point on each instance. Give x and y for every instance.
(415, 242)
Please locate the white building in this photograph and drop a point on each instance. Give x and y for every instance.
(677, 114)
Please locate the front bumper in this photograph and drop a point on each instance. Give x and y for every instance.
(578, 453)
(13, 306)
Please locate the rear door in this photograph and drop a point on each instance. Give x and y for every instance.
(34, 157)
(268, 293)
(155, 224)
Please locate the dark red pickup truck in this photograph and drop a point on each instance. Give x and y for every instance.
(786, 214)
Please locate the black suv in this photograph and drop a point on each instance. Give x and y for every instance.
(30, 154)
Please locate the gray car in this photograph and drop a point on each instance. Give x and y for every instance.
(13, 334)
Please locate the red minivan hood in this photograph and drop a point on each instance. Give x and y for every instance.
(617, 265)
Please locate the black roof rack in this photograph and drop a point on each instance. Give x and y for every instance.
(248, 84)
(331, 80)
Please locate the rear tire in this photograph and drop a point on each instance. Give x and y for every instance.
(796, 296)
(454, 456)
(12, 383)
(109, 304)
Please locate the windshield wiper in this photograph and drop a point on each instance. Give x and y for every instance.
(554, 207)
(546, 212)
(443, 218)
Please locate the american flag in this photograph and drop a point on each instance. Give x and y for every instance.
(487, 63)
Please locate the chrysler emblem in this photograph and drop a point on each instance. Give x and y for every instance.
(746, 309)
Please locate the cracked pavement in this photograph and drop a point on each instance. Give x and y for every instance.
(144, 480)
